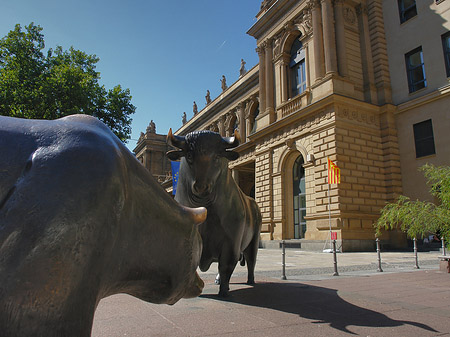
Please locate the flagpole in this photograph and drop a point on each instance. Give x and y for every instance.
(329, 207)
(329, 210)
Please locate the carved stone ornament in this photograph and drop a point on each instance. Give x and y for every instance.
(228, 120)
(313, 4)
(359, 116)
(361, 9)
(277, 45)
(349, 15)
(289, 143)
(307, 21)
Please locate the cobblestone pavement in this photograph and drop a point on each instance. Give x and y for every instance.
(400, 301)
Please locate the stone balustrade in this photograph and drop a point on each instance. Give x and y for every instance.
(293, 105)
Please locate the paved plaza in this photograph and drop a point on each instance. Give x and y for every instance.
(400, 301)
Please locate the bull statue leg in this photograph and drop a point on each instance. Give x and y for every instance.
(227, 263)
(250, 256)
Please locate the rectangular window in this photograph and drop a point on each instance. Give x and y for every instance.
(424, 138)
(446, 47)
(407, 9)
(415, 70)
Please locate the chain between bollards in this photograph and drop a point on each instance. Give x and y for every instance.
(379, 255)
(415, 254)
(283, 260)
(335, 259)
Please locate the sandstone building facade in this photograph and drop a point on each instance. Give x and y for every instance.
(331, 83)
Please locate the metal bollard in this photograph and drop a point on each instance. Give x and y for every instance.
(443, 246)
(379, 255)
(415, 254)
(335, 259)
(283, 260)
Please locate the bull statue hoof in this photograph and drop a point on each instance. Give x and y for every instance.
(224, 293)
(217, 280)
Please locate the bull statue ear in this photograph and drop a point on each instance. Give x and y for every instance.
(175, 155)
(231, 155)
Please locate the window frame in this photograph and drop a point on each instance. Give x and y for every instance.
(446, 50)
(415, 85)
(404, 12)
(297, 66)
(424, 144)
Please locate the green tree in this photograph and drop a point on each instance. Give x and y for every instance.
(420, 218)
(60, 83)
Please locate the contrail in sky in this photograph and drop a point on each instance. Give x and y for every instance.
(223, 43)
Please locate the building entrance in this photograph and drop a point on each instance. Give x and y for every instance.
(299, 198)
(245, 178)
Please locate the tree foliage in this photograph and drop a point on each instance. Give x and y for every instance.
(60, 83)
(420, 218)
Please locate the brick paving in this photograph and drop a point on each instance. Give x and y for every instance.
(401, 301)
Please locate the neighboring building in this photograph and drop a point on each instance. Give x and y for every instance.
(151, 151)
(418, 44)
(322, 89)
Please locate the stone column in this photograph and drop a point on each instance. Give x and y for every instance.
(284, 78)
(281, 79)
(329, 40)
(379, 51)
(269, 81)
(221, 126)
(317, 40)
(340, 37)
(248, 122)
(228, 120)
(242, 126)
(262, 78)
(308, 71)
(370, 91)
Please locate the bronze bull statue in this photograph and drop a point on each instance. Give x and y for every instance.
(233, 225)
(82, 219)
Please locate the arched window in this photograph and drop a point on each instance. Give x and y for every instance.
(299, 197)
(297, 68)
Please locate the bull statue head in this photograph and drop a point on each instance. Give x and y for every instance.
(204, 156)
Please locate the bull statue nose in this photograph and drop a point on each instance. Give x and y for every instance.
(200, 188)
(196, 287)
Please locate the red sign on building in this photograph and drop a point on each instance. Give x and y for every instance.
(333, 236)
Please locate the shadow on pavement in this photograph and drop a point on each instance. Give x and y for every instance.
(322, 305)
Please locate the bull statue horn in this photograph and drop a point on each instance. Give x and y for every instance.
(232, 141)
(197, 215)
(176, 141)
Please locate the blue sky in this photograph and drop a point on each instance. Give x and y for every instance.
(168, 53)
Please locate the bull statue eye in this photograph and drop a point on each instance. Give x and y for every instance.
(189, 158)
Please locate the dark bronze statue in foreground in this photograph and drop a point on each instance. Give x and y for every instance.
(82, 219)
(233, 224)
